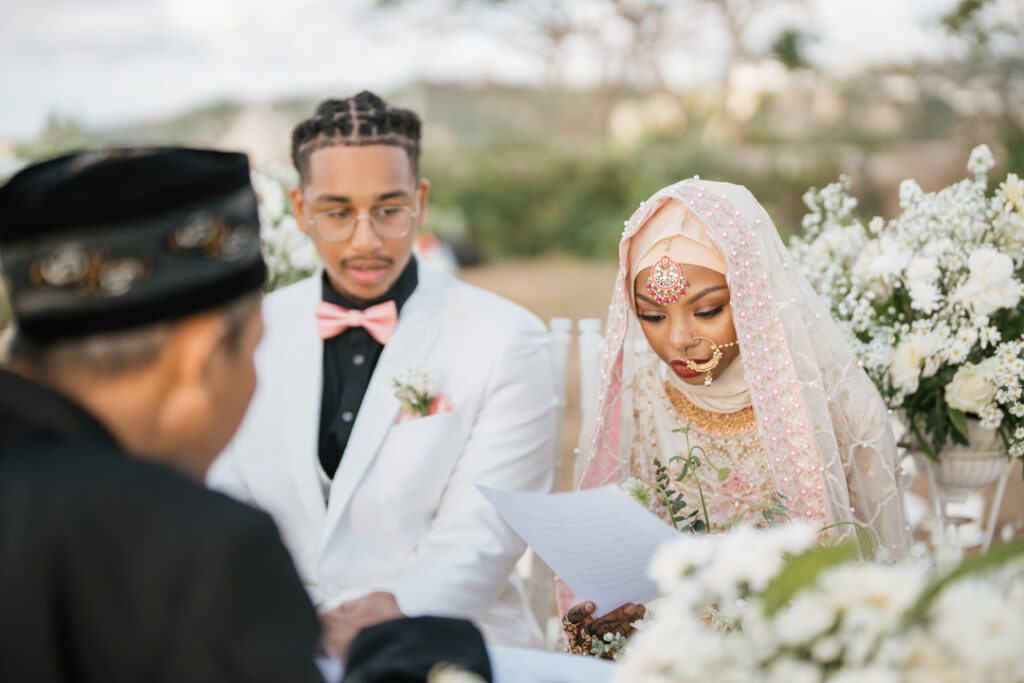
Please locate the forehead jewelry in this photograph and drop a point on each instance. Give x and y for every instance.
(666, 282)
(711, 363)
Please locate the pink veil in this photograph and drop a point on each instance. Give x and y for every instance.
(823, 425)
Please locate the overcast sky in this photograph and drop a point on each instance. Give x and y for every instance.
(111, 61)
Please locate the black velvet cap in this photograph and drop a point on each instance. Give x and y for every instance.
(405, 650)
(111, 239)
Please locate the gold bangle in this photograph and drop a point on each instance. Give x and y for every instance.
(573, 637)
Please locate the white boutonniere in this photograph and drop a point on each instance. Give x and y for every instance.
(417, 389)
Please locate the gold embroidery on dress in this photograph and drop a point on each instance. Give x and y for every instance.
(712, 423)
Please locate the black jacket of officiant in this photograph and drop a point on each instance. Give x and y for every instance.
(115, 569)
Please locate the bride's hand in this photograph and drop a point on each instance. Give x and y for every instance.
(580, 626)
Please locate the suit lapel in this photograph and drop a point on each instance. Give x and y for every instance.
(302, 370)
(419, 325)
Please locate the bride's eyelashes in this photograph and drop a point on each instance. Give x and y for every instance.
(709, 314)
(653, 317)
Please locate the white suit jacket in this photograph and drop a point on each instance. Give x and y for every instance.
(403, 513)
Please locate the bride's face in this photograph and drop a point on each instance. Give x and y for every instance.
(703, 311)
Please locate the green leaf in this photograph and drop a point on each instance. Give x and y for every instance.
(959, 420)
(723, 474)
(801, 570)
(993, 558)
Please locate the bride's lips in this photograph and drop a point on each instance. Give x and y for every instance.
(679, 367)
(367, 273)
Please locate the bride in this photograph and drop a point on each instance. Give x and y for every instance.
(718, 348)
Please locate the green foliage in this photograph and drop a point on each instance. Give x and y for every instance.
(1012, 137)
(994, 558)
(801, 571)
(788, 48)
(60, 135)
(674, 502)
(773, 512)
(527, 198)
(614, 648)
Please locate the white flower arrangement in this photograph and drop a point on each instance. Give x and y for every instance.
(930, 299)
(771, 605)
(290, 255)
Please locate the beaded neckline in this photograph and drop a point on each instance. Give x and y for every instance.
(720, 424)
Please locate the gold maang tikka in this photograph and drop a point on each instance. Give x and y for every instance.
(711, 363)
(666, 283)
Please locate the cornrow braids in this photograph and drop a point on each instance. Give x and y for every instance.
(364, 119)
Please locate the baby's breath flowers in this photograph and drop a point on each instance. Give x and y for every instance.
(290, 255)
(773, 605)
(930, 299)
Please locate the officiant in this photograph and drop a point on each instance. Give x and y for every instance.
(134, 278)
(387, 391)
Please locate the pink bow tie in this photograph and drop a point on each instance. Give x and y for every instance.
(379, 320)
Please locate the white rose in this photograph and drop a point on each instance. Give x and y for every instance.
(991, 284)
(913, 354)
(970, 390)
(880, 262)
(922, 269)
(924, 297)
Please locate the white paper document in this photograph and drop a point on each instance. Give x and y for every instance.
(600, 541)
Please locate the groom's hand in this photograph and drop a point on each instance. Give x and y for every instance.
(343, 623)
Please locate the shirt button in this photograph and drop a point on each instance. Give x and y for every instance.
(347, 416)
(358, 359)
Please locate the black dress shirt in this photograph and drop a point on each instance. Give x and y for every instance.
(349, 361)
(116, 569)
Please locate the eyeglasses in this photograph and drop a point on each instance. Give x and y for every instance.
(338, 225)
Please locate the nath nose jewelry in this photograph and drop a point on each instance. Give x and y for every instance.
(666, 282)
(712, 363)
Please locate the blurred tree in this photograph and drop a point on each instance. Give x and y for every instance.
(789, 49)
(740, 19)
(60, 134)
(650, 25)
(540, 27)
(992, 32)
(635, 37)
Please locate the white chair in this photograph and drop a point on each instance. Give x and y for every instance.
(590, 343)
(537, 578)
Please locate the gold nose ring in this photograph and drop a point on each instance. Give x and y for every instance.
(711, 363)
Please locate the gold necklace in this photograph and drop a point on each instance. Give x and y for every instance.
(720, 424)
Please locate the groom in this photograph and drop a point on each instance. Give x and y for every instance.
(387, 391)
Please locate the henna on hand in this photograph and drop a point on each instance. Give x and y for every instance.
(577, 614)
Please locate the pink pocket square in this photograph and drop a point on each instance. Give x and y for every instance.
(438, 406)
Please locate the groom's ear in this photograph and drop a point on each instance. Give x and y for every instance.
(299, 207)
(424, 188)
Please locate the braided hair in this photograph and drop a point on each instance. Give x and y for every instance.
(364, 119)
